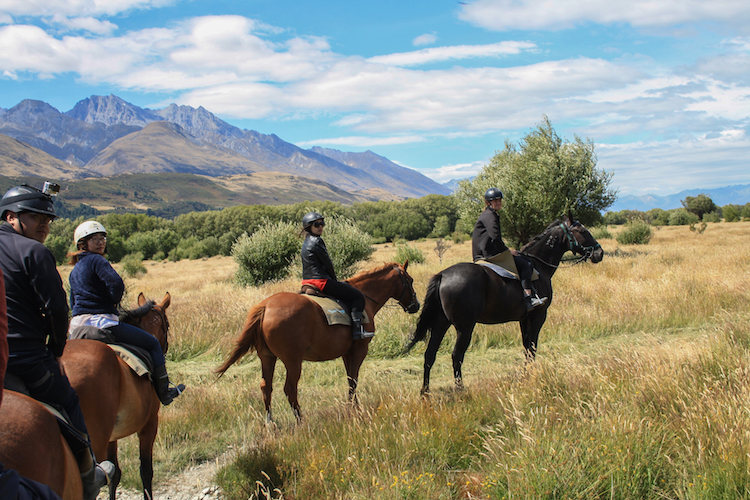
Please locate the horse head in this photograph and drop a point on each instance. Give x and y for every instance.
(151, 317)
(407, 292)
(581, 241)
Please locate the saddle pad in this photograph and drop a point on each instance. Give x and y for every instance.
(334, 312)
(133, 361)
(504, 273)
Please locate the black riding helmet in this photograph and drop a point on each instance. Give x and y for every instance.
(493, 194)
(25, 198)
(309, 218)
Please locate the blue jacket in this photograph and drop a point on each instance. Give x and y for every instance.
(95, 287)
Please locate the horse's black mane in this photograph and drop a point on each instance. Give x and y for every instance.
(538, 237)
(138, 312)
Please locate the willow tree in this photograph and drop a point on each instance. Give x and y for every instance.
(543, 177)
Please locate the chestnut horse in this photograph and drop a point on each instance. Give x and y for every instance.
(115, 401)
(466, 294)
(293, 328)
(31, 443)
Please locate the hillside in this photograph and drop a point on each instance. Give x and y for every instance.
(18, 159)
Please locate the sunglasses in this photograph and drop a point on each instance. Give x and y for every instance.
(98, 239)
(319, 224)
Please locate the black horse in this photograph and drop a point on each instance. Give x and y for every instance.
(466, 294)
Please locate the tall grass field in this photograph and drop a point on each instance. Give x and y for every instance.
(640, 390)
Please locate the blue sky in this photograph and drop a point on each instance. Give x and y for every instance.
(662, 87)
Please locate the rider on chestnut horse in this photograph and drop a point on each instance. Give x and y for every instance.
(317, 271)
(38, 317)
(487, 244)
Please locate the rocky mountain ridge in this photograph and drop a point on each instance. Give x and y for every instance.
(107, 135)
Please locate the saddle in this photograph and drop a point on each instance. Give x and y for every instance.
(505, 266)
(336, 312)
(139, 360)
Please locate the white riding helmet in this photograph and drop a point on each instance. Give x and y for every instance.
(87, 229)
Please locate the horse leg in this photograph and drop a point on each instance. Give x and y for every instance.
(436, 337)
(463, 339)
(267, 366)
(146, 437)
(112, 457)
(531, 325)
(293, 373)
(352, 362)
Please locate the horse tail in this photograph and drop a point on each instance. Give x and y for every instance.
(251, 332)
(431, 310)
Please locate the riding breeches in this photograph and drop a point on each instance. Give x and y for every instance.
(40, 371)
(525, 270)
(129, 334)
(344, 291)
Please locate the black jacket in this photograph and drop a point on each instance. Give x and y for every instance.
(487, 238)
(316, 264)
(37, 305)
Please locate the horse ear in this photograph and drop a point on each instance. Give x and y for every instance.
(406, 264)
(166, 300)
(141, 299)
(571, 219)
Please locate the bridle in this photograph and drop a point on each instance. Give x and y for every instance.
(585, 252)
(164, 324)
(404, 287)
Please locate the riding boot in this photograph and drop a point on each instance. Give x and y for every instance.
(96, 476)
(358, 331)
(162, 385)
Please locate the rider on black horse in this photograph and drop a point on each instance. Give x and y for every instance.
(487, 244)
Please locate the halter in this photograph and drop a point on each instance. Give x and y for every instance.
(164, 321)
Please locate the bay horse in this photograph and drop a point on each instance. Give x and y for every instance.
(293, 328)
(115, 401)
(466, 294)
(31, 443)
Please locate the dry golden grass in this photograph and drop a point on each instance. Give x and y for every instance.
(642, 369)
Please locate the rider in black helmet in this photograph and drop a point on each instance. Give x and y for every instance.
(487, 244)
(38, 316)
(317, 270)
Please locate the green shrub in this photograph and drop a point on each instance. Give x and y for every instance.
(712, 217)
(266, 255)
(407, 252)
(681, 217)
(459, 237)
(600, 232)
(132, 265)
(636, 232)
(347, 245)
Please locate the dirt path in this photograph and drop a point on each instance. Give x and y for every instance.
(195, 483)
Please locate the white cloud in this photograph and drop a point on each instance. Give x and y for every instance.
(458, 171)
(667, 167)
(75, 8)
(90, 24)
(504, 15)
(457, 52)
(363, 141)
(426, 39)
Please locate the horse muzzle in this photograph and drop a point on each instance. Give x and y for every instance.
(597, 255)
(412, 307)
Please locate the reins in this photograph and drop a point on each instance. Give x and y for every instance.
(573, 245)
(403, 293)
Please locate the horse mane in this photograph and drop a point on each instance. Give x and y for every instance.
(541, 235)
(137, 313)
(366, 274)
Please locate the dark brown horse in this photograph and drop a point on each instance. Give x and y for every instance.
(466, 294)
(293, 328)
(31, 443)
(115, 401)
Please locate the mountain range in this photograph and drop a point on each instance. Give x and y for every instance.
(107, 136)
(729, 195)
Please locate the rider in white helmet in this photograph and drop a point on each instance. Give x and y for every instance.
(95, 292)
